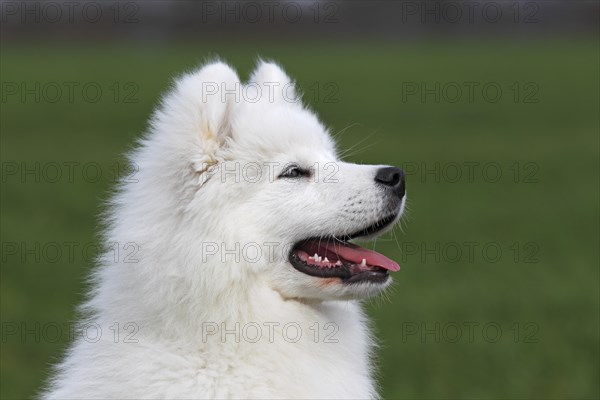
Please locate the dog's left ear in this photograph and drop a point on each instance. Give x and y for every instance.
(276, 85)
(206, 91)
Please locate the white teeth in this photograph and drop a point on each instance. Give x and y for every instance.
(363, 263)
(318, 258)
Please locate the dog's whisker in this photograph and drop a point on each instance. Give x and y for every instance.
(345, 153)
(341, 132)
(359, 150)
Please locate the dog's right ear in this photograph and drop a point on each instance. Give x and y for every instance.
(277, 83)
(199, 111)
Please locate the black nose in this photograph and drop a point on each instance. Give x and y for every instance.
(393, 178)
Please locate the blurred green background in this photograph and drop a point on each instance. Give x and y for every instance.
(541, 291)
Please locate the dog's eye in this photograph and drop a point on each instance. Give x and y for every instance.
(294, 171)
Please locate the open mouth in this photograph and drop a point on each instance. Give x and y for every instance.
(334, 257)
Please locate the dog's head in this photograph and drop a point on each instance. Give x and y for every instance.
(265, 192)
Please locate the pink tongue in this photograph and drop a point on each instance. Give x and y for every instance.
(356, 254)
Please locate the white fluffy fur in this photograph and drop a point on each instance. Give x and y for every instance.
(178, 200)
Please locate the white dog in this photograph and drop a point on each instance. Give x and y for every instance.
(235, 277)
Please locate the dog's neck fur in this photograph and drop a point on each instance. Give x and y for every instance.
(331, 359)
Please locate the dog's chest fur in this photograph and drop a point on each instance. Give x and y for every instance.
(320, 351)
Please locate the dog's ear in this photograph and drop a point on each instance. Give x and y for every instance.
(199, 111)
(207, 91)
(277, 86)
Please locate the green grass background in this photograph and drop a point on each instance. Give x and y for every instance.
(559, 293)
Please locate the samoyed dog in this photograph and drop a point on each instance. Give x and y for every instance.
(236, 275)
